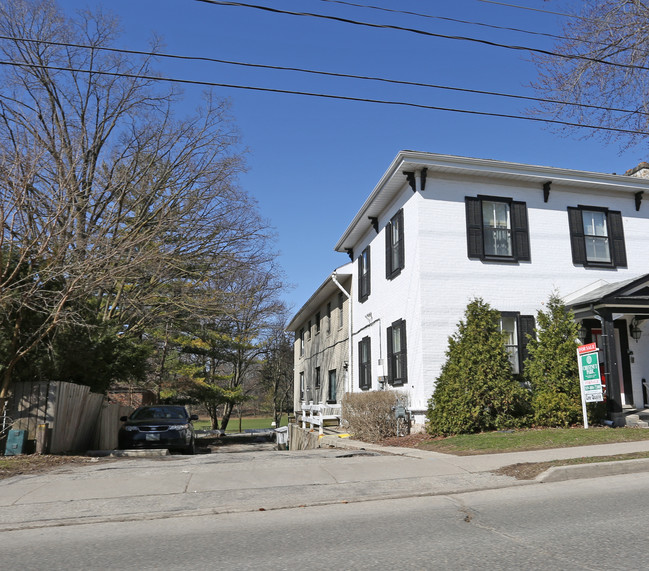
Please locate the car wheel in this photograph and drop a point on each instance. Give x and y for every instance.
(191, 449)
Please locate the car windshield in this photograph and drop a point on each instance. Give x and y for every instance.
(160, 412)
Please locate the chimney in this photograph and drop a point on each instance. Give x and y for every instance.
(641, 171)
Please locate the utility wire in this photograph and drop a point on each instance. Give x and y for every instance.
(527, 8)
(448, 19)
(325, 96)
(327, 73)
(423, 33)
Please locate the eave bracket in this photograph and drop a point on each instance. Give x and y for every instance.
(546, 190)
(410, 175)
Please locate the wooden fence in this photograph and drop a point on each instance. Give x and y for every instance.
(76, 418)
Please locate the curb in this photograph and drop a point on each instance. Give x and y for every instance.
(594, 470)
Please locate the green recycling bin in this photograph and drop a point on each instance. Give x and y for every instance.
(15, 442)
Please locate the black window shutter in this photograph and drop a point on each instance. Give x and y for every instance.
(364, 284)
(402, 244)
(388, 250)
(390, 374)
(577, 244)
(616, 234)
(369, 273)
(404, 352)
(368, 367)
(475, 245)
(521, 232)
(361, 366)
(360, 277)
(364, 367)
(526, 326)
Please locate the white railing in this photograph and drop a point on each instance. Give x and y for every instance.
(318, 414)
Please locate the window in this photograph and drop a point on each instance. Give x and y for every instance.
(328, 317)
(517, 328)
(317, 378)
(596, 237)
(340, 310)
(397, 361)
(302, 342)
(497, 229)
(317, 323)
(308, 331)
(364, 275)
(302, 385)
(365, 364)
(331, 387)
(394, 246)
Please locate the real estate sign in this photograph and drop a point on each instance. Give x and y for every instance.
(589, 376)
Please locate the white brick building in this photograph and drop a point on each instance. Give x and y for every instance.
(438, 231)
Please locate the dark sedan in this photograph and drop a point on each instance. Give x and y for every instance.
(158, 426)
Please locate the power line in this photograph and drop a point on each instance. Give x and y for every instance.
(328, 74)
(526, 8)
(326, 96)
(423, 33)
(448, 19)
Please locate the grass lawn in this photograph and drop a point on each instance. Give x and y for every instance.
(246, 423)
(533, 439)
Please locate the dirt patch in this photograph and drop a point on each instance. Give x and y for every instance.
(525, 471)
(408, 441)
(32, 464)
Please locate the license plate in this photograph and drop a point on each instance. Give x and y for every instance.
(153, 436)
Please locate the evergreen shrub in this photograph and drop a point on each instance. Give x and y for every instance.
(552, 367)
(476, 390)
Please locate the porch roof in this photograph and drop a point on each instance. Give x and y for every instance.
(629, 297)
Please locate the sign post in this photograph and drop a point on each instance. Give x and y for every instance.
(590, 378)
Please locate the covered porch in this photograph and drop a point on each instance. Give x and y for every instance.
(614, 316)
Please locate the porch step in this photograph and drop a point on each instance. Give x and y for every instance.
(633, 420)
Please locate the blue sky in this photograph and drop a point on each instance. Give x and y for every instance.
(312, 162)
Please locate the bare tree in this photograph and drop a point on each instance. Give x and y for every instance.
(602, 75)
(107, 200)
(277, 369)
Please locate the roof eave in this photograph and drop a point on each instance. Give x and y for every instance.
(450, 164)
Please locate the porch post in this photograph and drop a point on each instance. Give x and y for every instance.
(612, 370)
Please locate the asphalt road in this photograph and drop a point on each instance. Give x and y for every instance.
(585, 524)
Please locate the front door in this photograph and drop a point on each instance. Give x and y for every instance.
(622, 355)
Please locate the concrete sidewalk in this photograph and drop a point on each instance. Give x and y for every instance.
(143, 488)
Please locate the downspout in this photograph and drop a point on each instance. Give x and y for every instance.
(350, 368)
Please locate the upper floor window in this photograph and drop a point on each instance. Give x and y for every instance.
(365, 364)
(517, 328)
(340, 309)
(364, 275)
(497, 229)
(328, 318)
(302, 342)
(397, 354)
(596, 236)
(394, 246)
(317, 323)
(308, 331)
